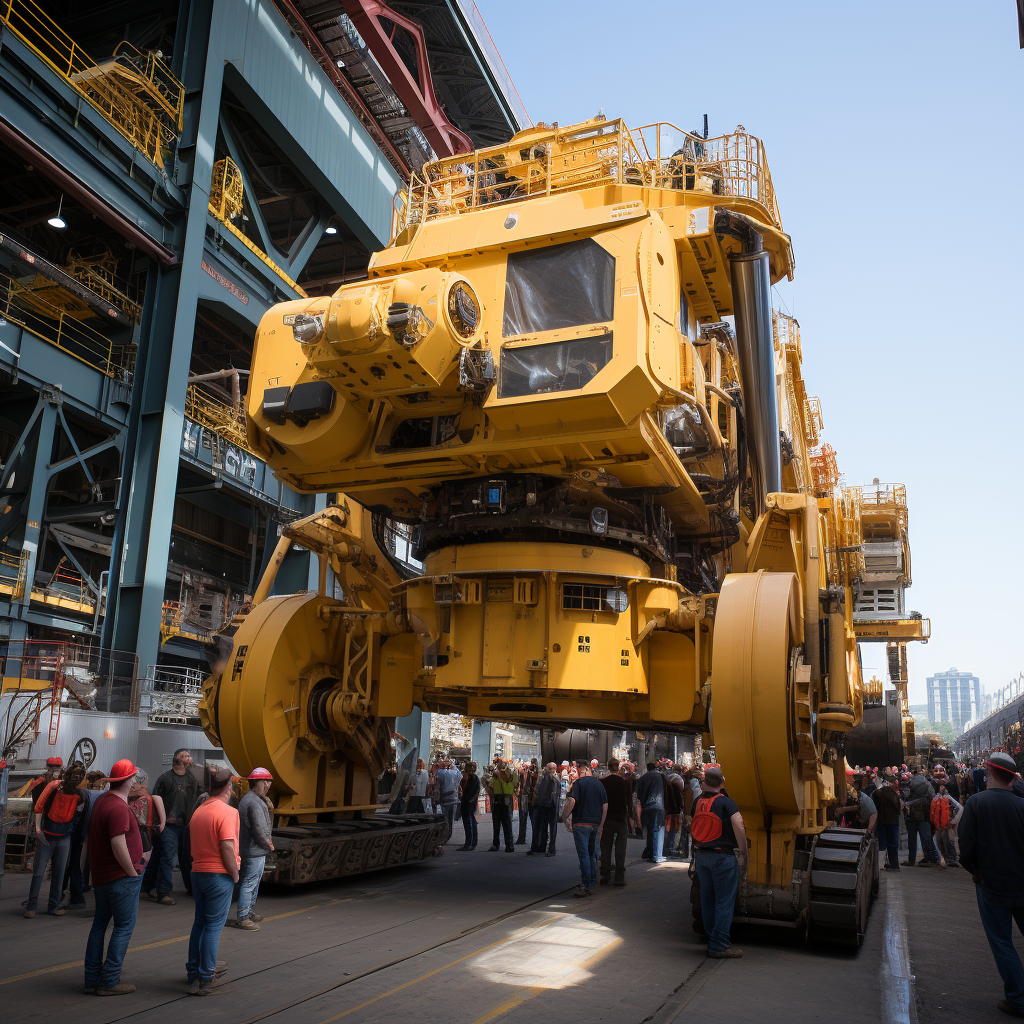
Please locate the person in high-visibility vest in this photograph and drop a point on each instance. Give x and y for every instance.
(501, 786)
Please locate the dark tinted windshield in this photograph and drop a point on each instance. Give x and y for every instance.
(559, 286)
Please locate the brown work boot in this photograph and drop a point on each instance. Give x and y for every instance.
(29, 913)
(120, 989)
(255, 917)
(732, 953)
(212, 986)
(247, 925)
(58, 912)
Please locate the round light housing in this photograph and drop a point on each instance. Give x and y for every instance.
(463, 309)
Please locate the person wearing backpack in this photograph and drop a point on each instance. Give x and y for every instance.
(58, 810)
(943, 814)
(720, 851)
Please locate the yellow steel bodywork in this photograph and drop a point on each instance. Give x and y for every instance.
(575, 632)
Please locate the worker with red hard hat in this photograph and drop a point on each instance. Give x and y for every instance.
(255, 842)
(115, 860)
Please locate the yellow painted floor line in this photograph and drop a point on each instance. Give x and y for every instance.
(153, 945)
(430, 974)
(526, 994)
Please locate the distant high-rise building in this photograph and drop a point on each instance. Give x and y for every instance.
(954, 697)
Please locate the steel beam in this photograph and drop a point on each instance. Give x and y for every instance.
(143, 531)
(35, 506)
(883, 630)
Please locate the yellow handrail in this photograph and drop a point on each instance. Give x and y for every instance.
(226, 194)
(219, 417)
(106, 87)
(20, 305)
(547, 160)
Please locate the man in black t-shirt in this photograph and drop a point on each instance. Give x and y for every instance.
(721, 853)
(615, 829)
(992, 849)
(587, 803)
(650, 793)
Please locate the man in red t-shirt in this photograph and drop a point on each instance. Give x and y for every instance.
(213, 830)
(115, 857)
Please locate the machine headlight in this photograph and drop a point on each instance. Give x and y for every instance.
(305, 328)
(463, 309)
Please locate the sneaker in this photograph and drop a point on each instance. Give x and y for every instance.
(77, 906)
(550, 854)
(890, 867)
(57, 912)
(120, 989)
(246, 925)
(193, 987)
(580, 891)
(29, 913)
(460, 848)
(165, 900)
(532, 853)
(907, 863)
(1007, 1007)
(732, 953)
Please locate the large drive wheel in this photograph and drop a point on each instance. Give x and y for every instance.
(757, 623)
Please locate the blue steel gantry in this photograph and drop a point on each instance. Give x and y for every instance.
(168, 170)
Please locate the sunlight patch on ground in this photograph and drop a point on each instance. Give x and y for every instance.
(547, 955)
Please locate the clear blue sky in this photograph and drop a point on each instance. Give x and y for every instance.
(894, 135)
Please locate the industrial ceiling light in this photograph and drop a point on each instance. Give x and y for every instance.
(330, 230)
(57, 221)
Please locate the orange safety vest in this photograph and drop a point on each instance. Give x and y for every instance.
(941, 815)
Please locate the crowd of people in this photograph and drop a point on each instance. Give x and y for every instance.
(110, 835)
(929, 801)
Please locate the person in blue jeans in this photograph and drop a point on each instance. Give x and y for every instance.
(991, 833)
(115, 858)
(58, 811)
(255, 842)
(587, 807)
(720, 843)
(214, 831)
(179, 790)
(650, 793)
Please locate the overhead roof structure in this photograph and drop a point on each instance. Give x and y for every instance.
(464, 100)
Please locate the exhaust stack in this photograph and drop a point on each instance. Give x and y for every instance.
(752, 305)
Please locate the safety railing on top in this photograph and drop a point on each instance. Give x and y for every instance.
(136, 92)
(546, 161)
(886, 498)
(21, 305)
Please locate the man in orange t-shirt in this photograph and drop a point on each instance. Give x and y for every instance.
(213, 830)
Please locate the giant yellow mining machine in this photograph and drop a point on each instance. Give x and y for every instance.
(610, 490)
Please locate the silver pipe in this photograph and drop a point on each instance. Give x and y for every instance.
(752, 307)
